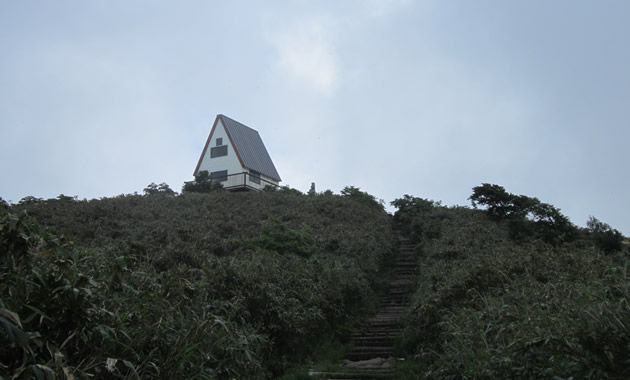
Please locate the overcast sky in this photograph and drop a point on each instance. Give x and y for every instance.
(428, 98)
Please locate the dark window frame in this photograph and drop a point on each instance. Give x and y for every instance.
(219, 141)
(218, 151)
(219, 176)
(254, 177)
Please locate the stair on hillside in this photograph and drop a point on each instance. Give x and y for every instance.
(372, 356)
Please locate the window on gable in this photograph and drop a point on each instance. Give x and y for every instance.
(218, 151)
(219, 141)
(219, 176)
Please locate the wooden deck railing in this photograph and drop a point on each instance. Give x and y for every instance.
(245, 180)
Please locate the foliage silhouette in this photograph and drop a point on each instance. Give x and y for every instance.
(202, 184)
(605, 237)
(528, 216)
(355, 194)
(161, 189)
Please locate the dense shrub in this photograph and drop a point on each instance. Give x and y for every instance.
(202, 184)
(161, 189)
(411, 215)
(605, 237)
(499, 202)
(4, 205)
(217, 285)
(280, 238)
(355, 194)
(528, 216)
(486, 307)
(67, 312)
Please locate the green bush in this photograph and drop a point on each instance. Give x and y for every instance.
(528, 216)
(409, 209)
(66, 312)
(418, 218)
(486, 307)
(201, 184)
(499, 202)
(605, 237)
(355, 194)
(164, 287)
(279, 237)
(161, 189)
(4, 205)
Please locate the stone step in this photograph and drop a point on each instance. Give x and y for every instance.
(375, 338)
(386, 348)
(383, 314)
(383, 319)
(378, 331)
(376, 341)
(354, 374)
(393, 303)
(368, 355)
(394, 326)
(397, 301)
(393, 323)
(401, 299)
(402, 284)
(393, 311)
(388, 315)
(385, 340)
(393, 319)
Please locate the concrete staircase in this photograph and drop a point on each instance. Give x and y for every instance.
(372, 356)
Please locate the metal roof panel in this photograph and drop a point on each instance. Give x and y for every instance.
(250, 148)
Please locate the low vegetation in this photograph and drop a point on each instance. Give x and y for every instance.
(514, 291)
(200, 285)
(211, 284)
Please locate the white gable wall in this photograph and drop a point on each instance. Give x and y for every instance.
(229, 162)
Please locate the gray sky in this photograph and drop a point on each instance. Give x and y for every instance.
(429, 98)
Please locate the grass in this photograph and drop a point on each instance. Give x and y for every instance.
(325, 358)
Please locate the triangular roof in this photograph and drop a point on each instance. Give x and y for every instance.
(248, 145)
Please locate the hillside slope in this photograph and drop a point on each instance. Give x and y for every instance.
(492, 304)
(246, 285)
(217, 285)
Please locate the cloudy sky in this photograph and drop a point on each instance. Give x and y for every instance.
(428, 98)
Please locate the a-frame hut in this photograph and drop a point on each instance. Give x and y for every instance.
(235, 155)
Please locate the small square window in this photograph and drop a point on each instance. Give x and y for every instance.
(219, 141)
